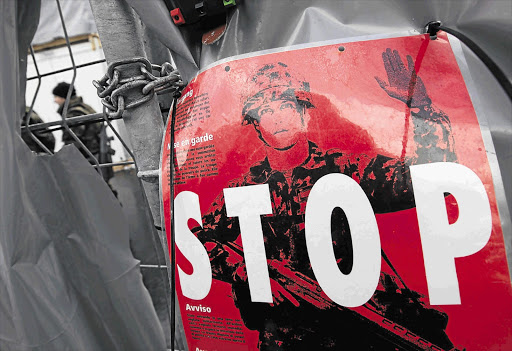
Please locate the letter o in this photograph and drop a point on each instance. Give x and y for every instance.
(338, 190)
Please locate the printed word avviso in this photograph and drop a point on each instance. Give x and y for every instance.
(198, 308)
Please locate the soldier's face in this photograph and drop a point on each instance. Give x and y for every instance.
(281, 124)
(59, 100)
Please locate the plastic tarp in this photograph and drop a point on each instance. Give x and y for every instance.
(77, 15)
(68, 280)
(268, 25)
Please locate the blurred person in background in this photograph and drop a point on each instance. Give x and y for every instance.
(89, 134)
(92, 135)
(44, 137)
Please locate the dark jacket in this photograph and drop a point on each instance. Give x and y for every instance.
(46, 138)
(89, 134)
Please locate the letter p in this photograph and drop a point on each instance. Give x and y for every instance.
(443, 242)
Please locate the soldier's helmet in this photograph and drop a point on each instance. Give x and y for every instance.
(273, 82)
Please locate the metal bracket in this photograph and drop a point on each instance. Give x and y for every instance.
(149, 175)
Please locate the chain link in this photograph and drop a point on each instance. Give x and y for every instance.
(113, 91)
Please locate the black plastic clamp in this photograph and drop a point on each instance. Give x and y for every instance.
(432, 28)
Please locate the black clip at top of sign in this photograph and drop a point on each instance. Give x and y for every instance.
(434, 26)
(193, 11)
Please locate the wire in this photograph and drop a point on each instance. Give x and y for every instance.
(177, 94)
(433, 27)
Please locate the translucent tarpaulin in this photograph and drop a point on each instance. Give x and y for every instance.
(68, 279)
(267, 25)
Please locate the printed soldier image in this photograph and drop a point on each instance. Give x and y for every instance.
(301, 317)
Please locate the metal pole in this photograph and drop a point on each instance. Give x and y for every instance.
(121, 36)
(120, 32)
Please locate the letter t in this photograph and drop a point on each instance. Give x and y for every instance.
(248, 203)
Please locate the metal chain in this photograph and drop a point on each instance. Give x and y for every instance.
(112, 90)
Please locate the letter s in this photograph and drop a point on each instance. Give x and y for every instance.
(196, 285)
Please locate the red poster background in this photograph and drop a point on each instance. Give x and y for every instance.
(354, 114)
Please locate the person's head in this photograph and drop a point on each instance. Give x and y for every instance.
(277, 110)
(61, 91)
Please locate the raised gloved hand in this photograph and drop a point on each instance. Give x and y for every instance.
(404, 84)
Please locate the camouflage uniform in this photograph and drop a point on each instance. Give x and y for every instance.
(387, 183)
(88, 134)
(46, 138)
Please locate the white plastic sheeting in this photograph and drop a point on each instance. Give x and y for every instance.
(77, 15)
(68, 279)
(268, 25)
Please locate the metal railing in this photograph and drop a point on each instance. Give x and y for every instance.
(66, 123)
